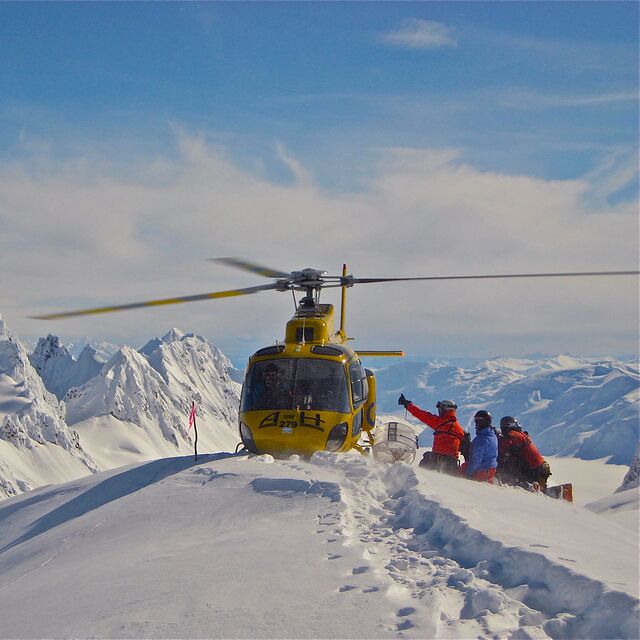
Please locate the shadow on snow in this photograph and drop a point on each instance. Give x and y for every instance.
(113, 488)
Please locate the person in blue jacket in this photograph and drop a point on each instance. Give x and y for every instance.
(484, 450)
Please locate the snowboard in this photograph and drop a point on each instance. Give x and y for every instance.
(560, 491)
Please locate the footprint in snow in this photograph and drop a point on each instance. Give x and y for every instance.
(333, 556)
(372, 589)
(404, 625)
(542, 546)
(357, 570)
(346, 587)
(405, 611)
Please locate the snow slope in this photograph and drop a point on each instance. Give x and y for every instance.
(338, 547)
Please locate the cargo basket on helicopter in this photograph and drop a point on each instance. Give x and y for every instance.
(395, 442)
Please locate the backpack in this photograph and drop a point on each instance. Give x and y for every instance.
(465, 445)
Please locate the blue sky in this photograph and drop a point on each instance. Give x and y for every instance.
(328, 94)
(549, 87)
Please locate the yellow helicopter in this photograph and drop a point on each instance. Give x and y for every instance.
(311, 392)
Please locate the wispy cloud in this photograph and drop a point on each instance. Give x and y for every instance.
(617, 172)
(416, 33)
(301, 175)
(532, 100)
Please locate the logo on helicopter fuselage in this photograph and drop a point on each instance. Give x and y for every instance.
(290, 420)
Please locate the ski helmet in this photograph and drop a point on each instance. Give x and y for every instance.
(482, 419)
(446, 405)
(508, 423)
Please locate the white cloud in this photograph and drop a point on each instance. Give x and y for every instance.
(74, 237)
(530, 100)
(415, 33)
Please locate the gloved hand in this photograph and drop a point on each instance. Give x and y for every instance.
(403, 401)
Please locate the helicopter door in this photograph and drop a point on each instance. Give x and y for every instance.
(359, 388)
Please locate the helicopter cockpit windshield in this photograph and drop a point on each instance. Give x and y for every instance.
(296, 383)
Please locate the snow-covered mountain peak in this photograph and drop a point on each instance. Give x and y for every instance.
(47, 349)
(4, 330)
(104, 350)
(52, 360)
(166, 355)
(58, 368)
(173, 334)
(154, 389)
(125, 356)
(15, 363)
(88, 353)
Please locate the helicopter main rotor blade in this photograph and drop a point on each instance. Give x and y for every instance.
(348, 281)
(156, 303)
(251, 267)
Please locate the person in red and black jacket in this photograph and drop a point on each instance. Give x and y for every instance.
(519, 461)
(447, 438)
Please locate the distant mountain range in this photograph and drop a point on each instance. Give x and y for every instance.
(64, 415)
(572, 406)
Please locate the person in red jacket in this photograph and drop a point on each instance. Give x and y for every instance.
(519, 461)
(447, 438)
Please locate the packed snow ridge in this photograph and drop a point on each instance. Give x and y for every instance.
(337, 547)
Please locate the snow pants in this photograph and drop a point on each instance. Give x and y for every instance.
(481, 475)
(484, 475)
(438, 462)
